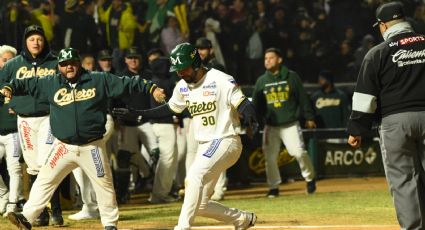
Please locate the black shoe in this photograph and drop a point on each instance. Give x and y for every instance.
(273, 193)
(43, 219)
(311, 186)
(19, 220)
(110, 228)
(56, 220)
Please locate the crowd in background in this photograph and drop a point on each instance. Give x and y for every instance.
(313, 35)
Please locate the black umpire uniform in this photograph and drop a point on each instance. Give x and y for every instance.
(390, 90)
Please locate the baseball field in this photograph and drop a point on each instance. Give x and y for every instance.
(343, 203)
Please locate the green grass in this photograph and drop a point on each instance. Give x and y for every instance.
(333, 208)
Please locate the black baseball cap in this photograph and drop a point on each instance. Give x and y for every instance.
(388, 12)
(203, 43)
(104, 54)
(132, 52)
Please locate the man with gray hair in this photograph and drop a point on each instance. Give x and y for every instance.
(389, 91)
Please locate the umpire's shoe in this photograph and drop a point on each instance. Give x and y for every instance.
(19, 220)
(43, 219)
(110, 228)
(246, 221)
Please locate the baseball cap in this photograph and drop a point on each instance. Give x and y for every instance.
(33, 29)
(203, 43)
(68, 54)
(104, 54)
(388, 12)
(132, 52)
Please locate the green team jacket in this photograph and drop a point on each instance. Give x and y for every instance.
(20, 68)
(78, 114)
(280, 99)
(8, 123)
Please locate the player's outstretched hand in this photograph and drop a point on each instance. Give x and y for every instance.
(159, 95)
(5, 92)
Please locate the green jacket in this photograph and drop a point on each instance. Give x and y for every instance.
(279, 99)
(7, 121)
(78, 115)
(21, 68)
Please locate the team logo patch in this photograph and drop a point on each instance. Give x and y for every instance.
(213, 147)
(97, 160)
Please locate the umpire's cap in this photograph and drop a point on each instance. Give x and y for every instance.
(68, 54)
(388, 12)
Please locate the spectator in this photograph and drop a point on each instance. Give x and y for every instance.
(88, 62)
(170, 34)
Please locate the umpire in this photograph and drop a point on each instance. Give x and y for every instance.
(390, 90)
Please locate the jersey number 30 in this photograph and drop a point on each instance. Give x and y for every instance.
(208, 120)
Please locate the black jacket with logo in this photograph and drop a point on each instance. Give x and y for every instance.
(391, 80)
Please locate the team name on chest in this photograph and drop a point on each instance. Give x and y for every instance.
(63, 97)
(198, 108)
(24, 72)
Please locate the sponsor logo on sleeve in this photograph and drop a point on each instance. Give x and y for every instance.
(410, 40)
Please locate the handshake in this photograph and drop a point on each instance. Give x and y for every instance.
(124, 114)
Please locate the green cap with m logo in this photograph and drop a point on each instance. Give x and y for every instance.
(68, 54)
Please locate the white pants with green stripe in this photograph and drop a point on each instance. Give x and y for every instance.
(63, 158)
(212, 158)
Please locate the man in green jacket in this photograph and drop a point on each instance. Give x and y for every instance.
(35, 61)
(78, 110)
(279, 96)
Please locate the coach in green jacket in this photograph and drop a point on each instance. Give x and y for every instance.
(279, 96)
(77, 117)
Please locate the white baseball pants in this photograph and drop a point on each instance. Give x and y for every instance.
(36, 140)
(63, 158)
(292, 138)
(167, 162)
(13, 152)
(212, 158)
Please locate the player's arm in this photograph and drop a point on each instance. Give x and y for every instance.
(28, 86)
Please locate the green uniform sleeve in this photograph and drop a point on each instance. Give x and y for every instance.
(303, 100)
(259, 100)
(29, 86)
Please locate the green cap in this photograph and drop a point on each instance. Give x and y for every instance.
(68, 54)
(183, 56)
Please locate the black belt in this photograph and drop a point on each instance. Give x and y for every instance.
(37, 114)
(81, 142)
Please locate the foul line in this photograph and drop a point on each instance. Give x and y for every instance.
(302, 227)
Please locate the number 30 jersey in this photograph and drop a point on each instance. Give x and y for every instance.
(212, 102)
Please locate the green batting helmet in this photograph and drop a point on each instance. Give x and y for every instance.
(68, 54)
(183, 56)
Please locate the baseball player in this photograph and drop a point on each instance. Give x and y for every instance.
(35, 61)
(79, 97)
(10, 143)
(213, 101)
(278, 96)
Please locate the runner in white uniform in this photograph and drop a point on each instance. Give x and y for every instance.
(214, 101)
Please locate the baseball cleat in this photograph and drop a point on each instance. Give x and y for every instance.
(84, 215)
(19, 220)
(249, 221)
(311, 186)
(273, 193)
